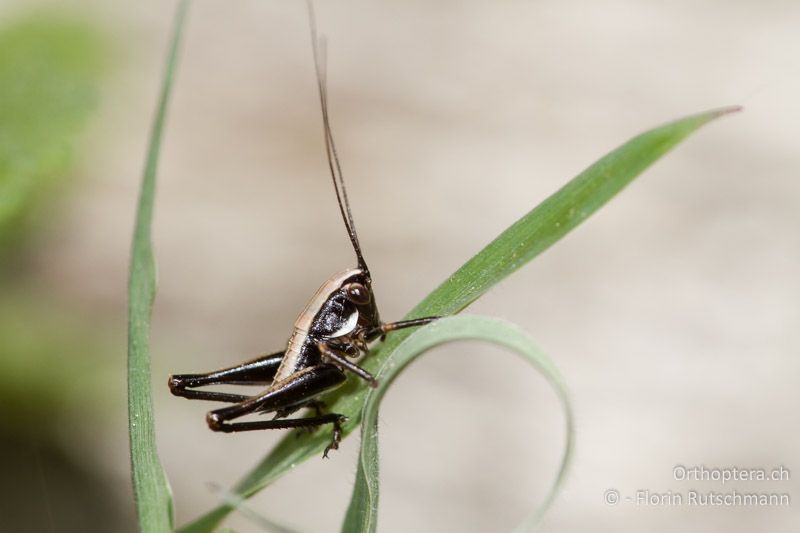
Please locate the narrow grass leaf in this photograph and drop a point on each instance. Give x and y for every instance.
(536, 231)
(259, 520)
(362, 514)
(150, 485)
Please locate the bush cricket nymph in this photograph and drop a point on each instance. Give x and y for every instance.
(337, 326)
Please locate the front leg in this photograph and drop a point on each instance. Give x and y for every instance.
(379, 332)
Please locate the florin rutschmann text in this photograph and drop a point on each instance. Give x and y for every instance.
(700, 475)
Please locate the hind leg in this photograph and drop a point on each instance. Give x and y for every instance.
(300, 389)
(259, 371)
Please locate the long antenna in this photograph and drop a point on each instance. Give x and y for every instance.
(319, 48)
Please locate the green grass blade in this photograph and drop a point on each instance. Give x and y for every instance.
(559, 214)
(362, 513)
(150, 485)
(525, 239)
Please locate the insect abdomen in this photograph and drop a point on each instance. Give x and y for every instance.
(295, 357)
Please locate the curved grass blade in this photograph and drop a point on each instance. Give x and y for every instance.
(150, 486)
(525, 239)
(362, 514)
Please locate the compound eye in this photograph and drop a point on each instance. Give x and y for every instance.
(357, 293)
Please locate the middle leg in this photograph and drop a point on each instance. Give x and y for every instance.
(331, 355)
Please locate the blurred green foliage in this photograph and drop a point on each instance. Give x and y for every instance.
(49, 72)
(55, 367)
(50, 67)
(58, 379)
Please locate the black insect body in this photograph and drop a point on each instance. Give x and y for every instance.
(337, 326)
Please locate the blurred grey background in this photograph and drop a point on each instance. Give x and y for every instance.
(672, 313)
